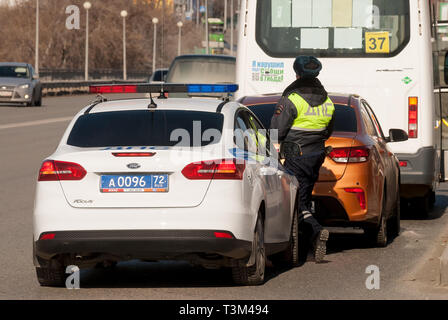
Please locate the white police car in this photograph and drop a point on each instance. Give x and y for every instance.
(187, 179)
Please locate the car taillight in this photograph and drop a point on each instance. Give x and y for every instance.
(223, 235)
(413, 118)
(403, 163)
(350, 155)
(47, 236)
(60, 170)
(359, 194)
(133, 154)
(225, 169)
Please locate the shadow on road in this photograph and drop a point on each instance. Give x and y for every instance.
(344, 242)
(173, 274)
(165, 274)
(411, 212)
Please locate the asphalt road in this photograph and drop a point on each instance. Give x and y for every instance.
(408, 266)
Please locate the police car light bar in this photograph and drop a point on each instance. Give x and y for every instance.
(164, 88)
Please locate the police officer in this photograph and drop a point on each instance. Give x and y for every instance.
(304, 120)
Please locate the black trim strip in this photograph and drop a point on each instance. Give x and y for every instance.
(221, 105)
(90, 108)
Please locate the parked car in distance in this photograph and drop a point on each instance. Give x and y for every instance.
(359, 182)
(202, 68)
(19, 84)
(158, 76)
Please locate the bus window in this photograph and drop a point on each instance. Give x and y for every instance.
(330, 28)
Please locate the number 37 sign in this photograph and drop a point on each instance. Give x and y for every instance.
(377, 42)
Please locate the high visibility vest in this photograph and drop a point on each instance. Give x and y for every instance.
(311, 118)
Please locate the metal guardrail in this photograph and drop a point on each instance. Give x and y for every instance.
(56, 88)
(99, 74)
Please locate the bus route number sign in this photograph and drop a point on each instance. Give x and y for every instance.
(377, 42)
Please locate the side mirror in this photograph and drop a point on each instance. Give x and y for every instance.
(397, 135)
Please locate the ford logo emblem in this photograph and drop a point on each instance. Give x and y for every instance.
(133, 166)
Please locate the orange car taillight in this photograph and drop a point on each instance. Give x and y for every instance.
(350, 155)
(225, 169)
(359, 194)
(60, 170)
(413, 118)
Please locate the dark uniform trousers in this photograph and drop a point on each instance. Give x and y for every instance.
(306, 169)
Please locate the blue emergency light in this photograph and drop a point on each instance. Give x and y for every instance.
(212, 88)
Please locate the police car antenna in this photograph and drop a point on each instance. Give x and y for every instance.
(99, 98)
(152, 105)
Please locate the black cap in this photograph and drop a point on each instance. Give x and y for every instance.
(307, 66)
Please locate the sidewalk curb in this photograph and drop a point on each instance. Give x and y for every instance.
(443, 271)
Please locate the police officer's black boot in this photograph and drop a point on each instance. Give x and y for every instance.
(319, 239)
(320, 245)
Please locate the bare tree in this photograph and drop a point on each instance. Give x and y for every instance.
(61, 48)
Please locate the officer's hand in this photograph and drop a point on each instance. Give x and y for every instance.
(277, 147)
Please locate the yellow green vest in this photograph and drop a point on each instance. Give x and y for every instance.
(311, 118)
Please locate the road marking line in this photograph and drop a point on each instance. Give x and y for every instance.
(34, 123)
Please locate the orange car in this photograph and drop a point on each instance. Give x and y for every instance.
(359, 181)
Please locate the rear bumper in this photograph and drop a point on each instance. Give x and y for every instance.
(141, 244)
(420, 168)
(337, 207)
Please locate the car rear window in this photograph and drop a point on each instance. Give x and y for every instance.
(202, 71)
(145, 128)
(344, 117)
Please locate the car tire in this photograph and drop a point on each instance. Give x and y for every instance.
(49, 277)
(432, 199)
(38, 103)
(378, 235)
(253, 275)
(395, 220)
(290, 257)
(423, 206)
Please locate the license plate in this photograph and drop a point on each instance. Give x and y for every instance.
(5, 94)
(134, 183)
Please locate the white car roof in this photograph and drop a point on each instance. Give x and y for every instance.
(191, 104)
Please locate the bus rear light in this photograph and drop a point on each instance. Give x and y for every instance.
(413, 117)
(403, 164)
(359, 194)
(60, 170)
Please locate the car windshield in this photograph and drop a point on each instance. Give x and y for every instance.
(159, 75)
(13, 72)
(344, 117)
(202, 71)
(328, 28)
(147, 128)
